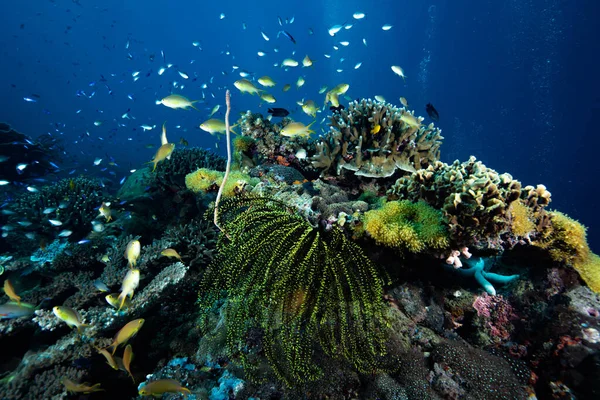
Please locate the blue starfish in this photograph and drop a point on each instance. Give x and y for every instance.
(483, 277)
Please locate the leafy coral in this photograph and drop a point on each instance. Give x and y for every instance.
(301, 286)
(407, 226)
(475, 200)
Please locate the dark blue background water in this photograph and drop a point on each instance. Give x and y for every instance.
(516, 82)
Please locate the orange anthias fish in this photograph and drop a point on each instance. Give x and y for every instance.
(127, 358)
(162, 153)
(84, 388)
(127, 332)
(10, 292)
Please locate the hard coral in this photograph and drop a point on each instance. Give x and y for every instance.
(480, 374)
(475, 201)
(412, 227)
(72, 201)
(355, 143)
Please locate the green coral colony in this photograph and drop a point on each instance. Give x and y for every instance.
(339, 262)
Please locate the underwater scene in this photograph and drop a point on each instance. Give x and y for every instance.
(309, 199)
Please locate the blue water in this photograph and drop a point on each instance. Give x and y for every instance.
(515, 82)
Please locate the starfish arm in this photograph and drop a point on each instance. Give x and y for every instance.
(499, 278)
(479, 276)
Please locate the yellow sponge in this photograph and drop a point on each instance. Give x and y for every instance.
(205, 180)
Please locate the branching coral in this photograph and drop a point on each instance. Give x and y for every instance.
(406, 226)
(197, 241)
(300, 285)
(72, 202)
(375, 139)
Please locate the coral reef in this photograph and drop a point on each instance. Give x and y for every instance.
(374, 140)
(282, 303)
(476, 373)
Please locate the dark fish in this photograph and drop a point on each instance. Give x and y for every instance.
(278, 112)
(432, 112)
(338, 108)
(287, 34)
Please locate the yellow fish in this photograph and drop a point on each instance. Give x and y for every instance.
(84, 388)
(213, 126)
(127, 358)
(297, 129)
(288, 62)
(127, 332)
(176, 101)
(268, 98)
(105, 212)
(310, 108)
(266, 81)
(69, 316)
(214, 110)
(403, 101)
(300, 82)
(307, 62)
(340, 89)
(380, 98)
(286, 87)
(170, 253)
(332, 98)
(376, 129)
(245, 86)
(130, 283)
(157, 388)
(132, 252)
(399, 71)
(410, 120)
(10, 292)
(113, 300)
(110, 360)
(162, 153)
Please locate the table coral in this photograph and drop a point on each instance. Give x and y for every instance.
(372, 139)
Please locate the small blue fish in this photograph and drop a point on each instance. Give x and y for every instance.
(101, 286)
